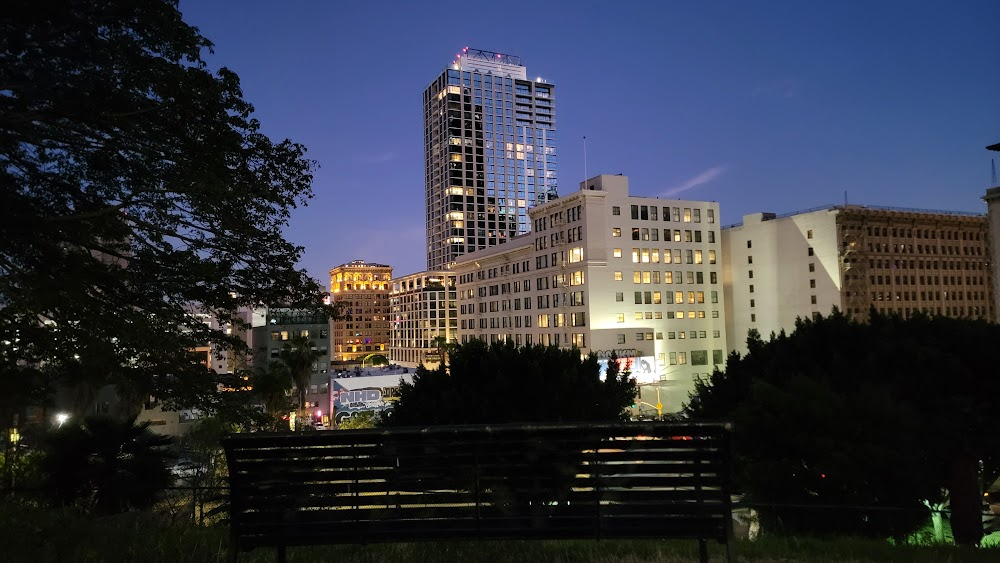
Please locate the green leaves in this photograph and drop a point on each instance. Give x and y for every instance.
(105, 464)
(139, 190)
(502, 383)
(875, 414)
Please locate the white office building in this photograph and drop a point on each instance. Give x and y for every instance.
(606, 271)
(782, 267)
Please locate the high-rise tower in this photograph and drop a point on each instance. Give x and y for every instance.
(490, 153)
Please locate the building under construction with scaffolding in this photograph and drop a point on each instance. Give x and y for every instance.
(856, 258)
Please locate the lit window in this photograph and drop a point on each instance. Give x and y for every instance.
(616, 232)
(617, 253)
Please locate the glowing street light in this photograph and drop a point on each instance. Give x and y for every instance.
(61, 418)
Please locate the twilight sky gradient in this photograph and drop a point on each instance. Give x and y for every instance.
(762, 106)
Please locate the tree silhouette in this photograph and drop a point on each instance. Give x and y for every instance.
(504, 383)
(884, 414)
(270, 386)
(138, 190)
(105, 464)
(300, 356)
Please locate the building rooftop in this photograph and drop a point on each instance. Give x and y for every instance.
(859, 208)
(361, 264)
(370, 371)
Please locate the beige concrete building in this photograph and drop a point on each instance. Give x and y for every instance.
(779, 268)
(423, 308)
(605, 271)
(362, 291)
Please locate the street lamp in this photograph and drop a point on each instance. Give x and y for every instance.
(61, 418)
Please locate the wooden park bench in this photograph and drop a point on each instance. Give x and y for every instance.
(543, 481)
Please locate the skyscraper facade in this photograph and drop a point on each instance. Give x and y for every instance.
(490, 153)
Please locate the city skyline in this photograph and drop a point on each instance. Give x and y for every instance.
(774, 110)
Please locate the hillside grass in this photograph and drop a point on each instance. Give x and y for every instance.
(29, 533)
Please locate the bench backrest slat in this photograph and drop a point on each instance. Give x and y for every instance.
(626, 480)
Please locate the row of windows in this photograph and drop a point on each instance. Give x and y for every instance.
(925, 295)
(928, 280)
(928, 249)
(677, 235)
(925, 233)
(573, 339)
(677, 214)
(669, 277)
(282, 335)
(671, 297)
(652, 256)
(677, 315)
(672, 335)
(928, 265)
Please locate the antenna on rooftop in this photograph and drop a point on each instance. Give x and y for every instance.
(993, 164)
(585, 177)
(845, 198)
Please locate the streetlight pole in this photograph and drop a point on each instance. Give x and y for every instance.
(658, 406)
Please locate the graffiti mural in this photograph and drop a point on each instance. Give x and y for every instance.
(351, 396)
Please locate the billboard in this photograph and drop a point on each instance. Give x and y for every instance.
(350, 396)
(643, 368)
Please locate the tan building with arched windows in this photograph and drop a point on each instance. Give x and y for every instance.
(362, 289)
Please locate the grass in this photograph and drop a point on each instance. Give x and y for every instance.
(29, 533)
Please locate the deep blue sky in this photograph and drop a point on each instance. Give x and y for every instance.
(762, 106)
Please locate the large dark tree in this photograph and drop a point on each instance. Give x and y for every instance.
(137, 188)
(503, 383)
(884, 414)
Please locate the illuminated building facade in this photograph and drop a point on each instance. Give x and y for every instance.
(490, 153)
(361, 290)
(423, 310)
(853, 257)
(603, 271)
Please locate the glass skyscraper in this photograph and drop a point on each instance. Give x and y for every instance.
(490, 153)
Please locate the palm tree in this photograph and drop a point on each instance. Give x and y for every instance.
(270, 386)
(300, 357)
(443, 347)
(110, 465)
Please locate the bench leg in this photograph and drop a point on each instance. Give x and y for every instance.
(703, 551)
(282, 554)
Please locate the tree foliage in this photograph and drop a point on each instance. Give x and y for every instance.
(138, 189)
(884, 414)
(300, 356)
(271, 384)
(500, 383)
(106, 464)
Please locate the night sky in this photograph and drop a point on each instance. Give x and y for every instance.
(762, 106)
